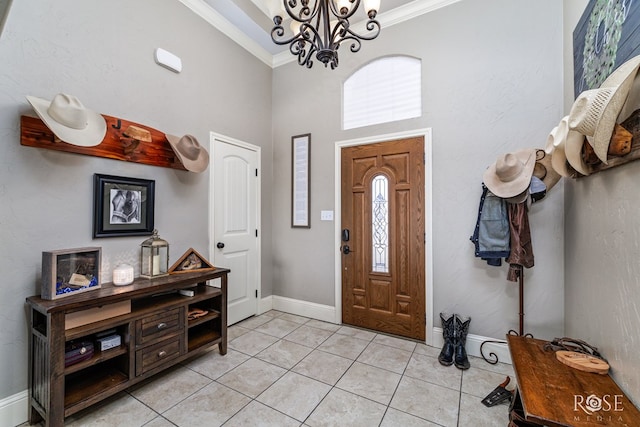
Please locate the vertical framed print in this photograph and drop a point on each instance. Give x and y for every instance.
(300, 180)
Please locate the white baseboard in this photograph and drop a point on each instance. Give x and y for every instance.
(327, 314)
(14, 409)
(265, 304)
(322, 312)
(473, 346)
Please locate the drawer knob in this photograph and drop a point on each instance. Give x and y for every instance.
(162, 325)
(162, 354)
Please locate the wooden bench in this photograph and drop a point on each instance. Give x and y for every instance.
(554, 394)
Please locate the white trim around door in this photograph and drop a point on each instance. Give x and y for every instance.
(428, 191)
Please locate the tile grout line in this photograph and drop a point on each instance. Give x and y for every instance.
(316, 347)
(353, 361)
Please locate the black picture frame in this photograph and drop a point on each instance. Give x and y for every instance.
(122, 206)
(301, 181)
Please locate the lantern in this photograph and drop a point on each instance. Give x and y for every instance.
(154, 257)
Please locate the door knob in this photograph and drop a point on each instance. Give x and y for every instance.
(345, 249)
(220, 245)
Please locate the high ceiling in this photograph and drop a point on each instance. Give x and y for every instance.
(248, 22)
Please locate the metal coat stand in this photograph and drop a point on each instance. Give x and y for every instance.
(520, 332)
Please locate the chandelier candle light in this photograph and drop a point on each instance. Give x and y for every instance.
(320, 26)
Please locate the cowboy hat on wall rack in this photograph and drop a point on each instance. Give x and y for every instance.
(600, 127)
(65, 124)
(70, 120)
(193, 156)
(594, 112)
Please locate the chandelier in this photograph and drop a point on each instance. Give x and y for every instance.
(320, 28)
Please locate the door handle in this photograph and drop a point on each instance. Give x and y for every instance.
(346, 250)
(220, 245)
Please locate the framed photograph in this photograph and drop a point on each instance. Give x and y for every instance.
(300, 180)
(70, 271)
(189, 262)
(122, 206)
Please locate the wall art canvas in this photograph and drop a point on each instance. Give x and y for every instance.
(606, 36)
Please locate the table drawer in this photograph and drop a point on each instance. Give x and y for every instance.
(159, 325)
(157, 354)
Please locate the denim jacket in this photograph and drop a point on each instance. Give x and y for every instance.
(491, 236)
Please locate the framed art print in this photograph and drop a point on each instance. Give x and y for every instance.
(122, 206)
(300, 180)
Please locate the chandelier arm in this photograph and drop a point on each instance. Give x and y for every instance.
(305, 56)
(308, 62)
(372, 25)
(315, 40)
(356, 44)
(290, 6)
(335, 12)
(278, 30)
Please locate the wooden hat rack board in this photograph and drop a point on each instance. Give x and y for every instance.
(123, 140)
(602, 131)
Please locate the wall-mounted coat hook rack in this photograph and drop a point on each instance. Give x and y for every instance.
(154, 150)
(631, 125)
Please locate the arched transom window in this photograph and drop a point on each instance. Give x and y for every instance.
(385, 90)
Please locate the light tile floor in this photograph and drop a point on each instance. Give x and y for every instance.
(285, 370)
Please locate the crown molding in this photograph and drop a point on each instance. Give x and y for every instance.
(411, 10)
(386, 19)
(206, 12)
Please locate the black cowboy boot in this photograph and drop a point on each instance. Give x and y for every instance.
(448, 332)
(460, 354)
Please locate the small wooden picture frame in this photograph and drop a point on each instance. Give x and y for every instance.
(70, 271)
(189, 262)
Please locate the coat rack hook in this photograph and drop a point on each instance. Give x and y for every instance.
(132, 137)
(118, 125)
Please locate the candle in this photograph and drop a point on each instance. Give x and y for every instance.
(156, 265)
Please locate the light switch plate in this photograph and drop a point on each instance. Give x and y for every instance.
(326, 215)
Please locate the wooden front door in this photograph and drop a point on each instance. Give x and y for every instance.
(383, 237)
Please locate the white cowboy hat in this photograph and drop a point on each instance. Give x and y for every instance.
(69, 120)
(573, 150)
(595, 111)
(193, 156)
(510, 175)
(556, 146)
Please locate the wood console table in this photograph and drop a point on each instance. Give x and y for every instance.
(554, 394)
(155, 333)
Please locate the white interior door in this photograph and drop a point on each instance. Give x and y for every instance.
(235, 206)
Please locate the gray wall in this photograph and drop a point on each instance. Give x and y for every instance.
(602, 231)
(492, 83)
(102, 52)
